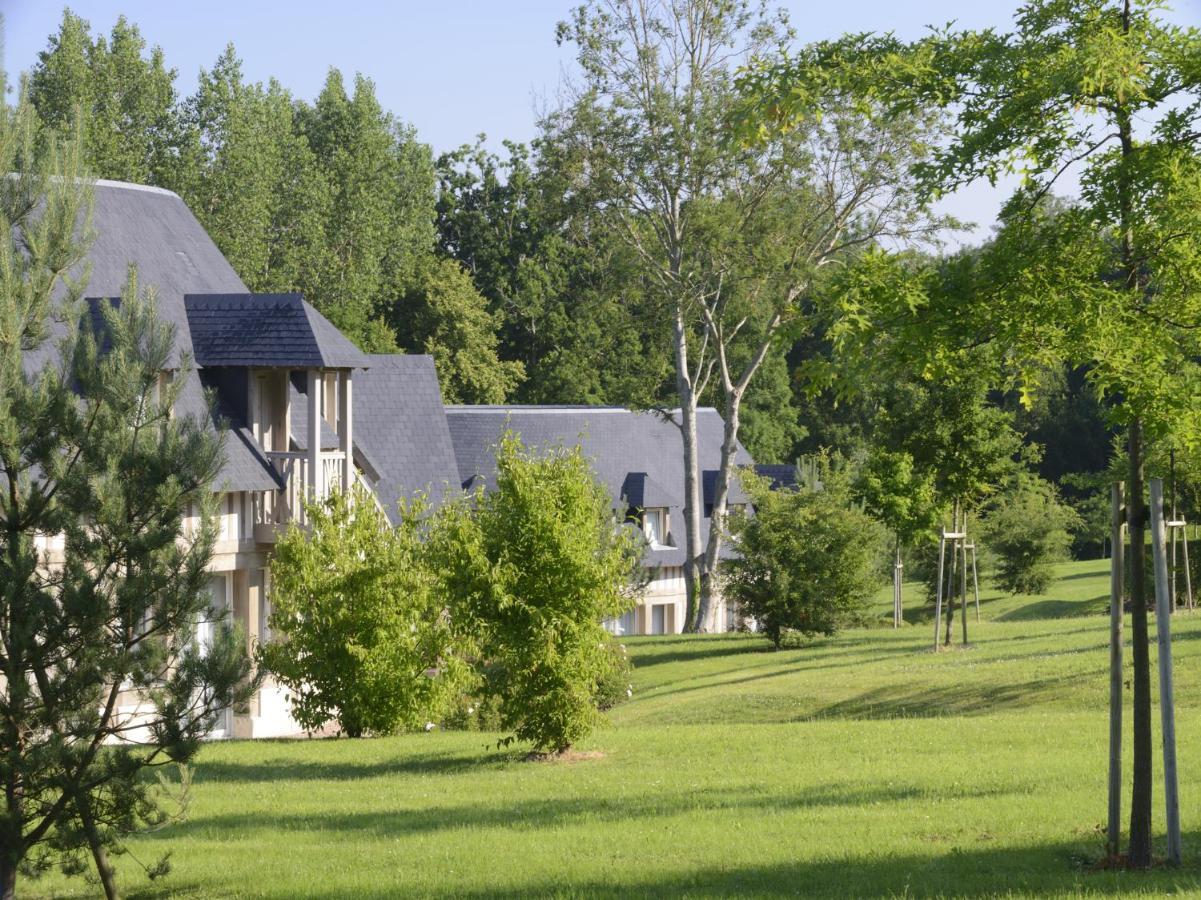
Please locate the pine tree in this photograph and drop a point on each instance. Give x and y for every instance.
(101, 585)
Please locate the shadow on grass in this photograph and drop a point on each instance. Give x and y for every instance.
(647, 653)
(1057, 609)
(1099, 572)
(972, 866)
(968, 871)
(891, 702)
(925, 702)
(780, 669)
(292, 768)
(560, 812)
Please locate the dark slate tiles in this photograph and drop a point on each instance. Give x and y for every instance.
(638, 456)
(267, 330)
(400, 423)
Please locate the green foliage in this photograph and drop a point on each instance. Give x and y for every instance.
(127, 100)
(528, 227)
(771, 429)
(361, 634)
(615, 683)
(807, 559)
(380, 219)
(101, 583)
(531, 570)
(897, 495)
(252, 179)
(1028, 529)
(1109, 90)
(445, 316)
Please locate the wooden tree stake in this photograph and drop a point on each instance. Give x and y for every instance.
(942, 547)
(1163, 632)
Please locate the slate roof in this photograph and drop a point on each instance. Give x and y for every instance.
(638, 456)
(282, 330)
(246, 467)
(154, 230)
(399, 421)
(641, 491)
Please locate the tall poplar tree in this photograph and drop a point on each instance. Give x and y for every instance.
(126, 97)
(253, 181)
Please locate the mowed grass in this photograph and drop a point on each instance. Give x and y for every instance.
(861, 766)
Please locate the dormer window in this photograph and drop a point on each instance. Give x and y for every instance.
(654, 525)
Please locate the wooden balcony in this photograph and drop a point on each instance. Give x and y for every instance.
(274, 511)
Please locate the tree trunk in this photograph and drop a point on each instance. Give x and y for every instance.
(108, 878)
(686, 393)
(897, 584)
(717, 518)
(14, 808)
(1139, 855)
(8, 880)
(1116, 622)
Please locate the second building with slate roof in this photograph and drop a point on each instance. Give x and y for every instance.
(305, 411)
(638, 456)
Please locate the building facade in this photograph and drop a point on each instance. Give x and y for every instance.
(305, 412)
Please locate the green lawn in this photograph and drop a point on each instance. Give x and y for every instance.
(863, 766)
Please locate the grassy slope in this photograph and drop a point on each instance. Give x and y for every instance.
(859, 766)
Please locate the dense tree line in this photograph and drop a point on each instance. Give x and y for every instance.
(499, 265)
(334, 198)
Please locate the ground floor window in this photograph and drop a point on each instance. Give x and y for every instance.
(622, 625)
(220, 598)
(662, 618)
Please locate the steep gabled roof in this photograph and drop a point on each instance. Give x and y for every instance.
(400, 423)
(154, 230)
(266, 330)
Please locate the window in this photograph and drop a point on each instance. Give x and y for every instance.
(654, 526)
(219, 592)
(660, 619)
(622, 625)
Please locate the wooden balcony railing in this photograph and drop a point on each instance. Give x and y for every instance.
(275, 510)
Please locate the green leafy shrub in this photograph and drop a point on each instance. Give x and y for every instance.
(1028, 529)
(807, 560)
(614, 682)
(531, 570)
(361, 634)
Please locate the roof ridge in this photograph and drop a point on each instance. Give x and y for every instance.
(557, 408)
(130, 186)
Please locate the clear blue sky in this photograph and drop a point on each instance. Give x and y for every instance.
(453, 68)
